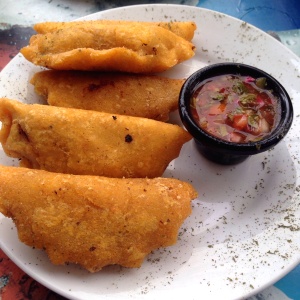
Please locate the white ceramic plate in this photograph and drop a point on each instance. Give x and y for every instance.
(244, 232)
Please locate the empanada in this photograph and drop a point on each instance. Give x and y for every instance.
(147, 96)
(94, 221)
(69, 140)
(131, 48)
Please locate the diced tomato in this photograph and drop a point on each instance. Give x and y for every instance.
(260, 101)
(240, 121)
(236, 137)
(217, 109)
(268, 113)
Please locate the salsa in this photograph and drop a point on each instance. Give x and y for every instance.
(235, 108)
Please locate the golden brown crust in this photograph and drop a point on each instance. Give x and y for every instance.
(76, 141)
(129, 48)
(147, 96)
(183, 29)
(94, 221)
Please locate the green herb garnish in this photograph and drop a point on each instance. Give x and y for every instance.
(253, 121)
(261, 82)
(238, 87)
(217, 96)
(247, 100)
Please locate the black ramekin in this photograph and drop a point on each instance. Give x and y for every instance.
(221, 151)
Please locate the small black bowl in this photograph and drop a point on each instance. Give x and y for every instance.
(225, 152)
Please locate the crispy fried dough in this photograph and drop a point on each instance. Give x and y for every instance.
(147, 96)
(94, 221)
(129, 48)
(184, 29)
(76, 141)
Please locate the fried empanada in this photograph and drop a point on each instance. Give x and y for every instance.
(184, 29)
(69, 140)
(94, 221)
(131, 48)
(147, 96)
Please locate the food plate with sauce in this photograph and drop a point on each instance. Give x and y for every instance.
(244, 232)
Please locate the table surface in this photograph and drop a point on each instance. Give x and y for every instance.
(16, 19)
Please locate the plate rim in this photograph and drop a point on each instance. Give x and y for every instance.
(100, 14)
